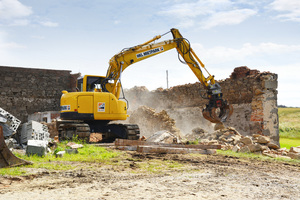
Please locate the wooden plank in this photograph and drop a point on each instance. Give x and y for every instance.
(125, 142)
(172, 150)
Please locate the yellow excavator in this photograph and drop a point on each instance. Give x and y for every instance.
(97, 101)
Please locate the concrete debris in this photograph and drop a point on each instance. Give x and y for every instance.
(157, 147)
(71, 151)
(46, 117)
(34, 131)
(36, 147)
(231, 139)
(163, 137)
(9, 123)
(60, 154)
(73, 145)
(95, 137)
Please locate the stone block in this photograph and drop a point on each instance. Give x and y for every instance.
(295, 149)
(254, 147)
(246, 140)
(263, 139)
(36, 147)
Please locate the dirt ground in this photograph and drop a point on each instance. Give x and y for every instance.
(199, 177)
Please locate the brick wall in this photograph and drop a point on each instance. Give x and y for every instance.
(252, 94)
(25, 90)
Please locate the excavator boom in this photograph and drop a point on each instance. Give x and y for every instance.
(216, 111)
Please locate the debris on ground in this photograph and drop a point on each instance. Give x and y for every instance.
(151, 121)
(9, 123)
(231, 139)
(36, 147)
(163, 137)
(33, 130)
(158, 147)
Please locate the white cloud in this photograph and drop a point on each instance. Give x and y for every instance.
(228, 18)
(209, 13)
(221, 54)
(13, 9)
(49, 23)
(290, 8)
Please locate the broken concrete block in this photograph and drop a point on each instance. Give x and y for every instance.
(60, 154)
(34, 131)
(71, 151)
(12, 122)
(73, 145)
(36, 147)
(163, 137)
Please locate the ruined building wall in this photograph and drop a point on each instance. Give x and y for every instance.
(26, 91)
(252, 94)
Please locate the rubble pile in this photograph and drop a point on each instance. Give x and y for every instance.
(231, 139)
(150, 121)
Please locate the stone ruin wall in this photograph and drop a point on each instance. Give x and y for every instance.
(252, 94)
(25, 91)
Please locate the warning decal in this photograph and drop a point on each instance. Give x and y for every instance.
(101, 107)
(147, 53)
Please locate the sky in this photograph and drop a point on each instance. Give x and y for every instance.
(82, 36)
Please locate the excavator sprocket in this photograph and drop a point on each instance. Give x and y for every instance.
(7, 158)
(217, 115)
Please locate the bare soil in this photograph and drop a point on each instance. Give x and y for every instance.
(199, 177)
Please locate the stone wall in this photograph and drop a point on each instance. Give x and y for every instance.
(25, 91)
(252, 94)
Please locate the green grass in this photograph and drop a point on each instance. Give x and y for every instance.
(88, 153)
(289, 142)
(289, 122)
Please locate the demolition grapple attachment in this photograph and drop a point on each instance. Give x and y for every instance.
(217, 110)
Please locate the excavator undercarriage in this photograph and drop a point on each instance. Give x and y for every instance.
(83, 129)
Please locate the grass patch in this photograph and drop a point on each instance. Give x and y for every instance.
(289, 142)
(14, 171)
(88, 153)
(289, 122)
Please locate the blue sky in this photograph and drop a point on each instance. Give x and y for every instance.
(83, 35)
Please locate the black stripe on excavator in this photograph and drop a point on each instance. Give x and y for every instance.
(76, 116)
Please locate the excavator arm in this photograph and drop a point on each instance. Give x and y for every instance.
(216, 111)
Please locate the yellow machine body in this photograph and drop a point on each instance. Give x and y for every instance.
(92, 104)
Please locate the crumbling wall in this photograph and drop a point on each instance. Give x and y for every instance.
(26, 91)
(252, 94)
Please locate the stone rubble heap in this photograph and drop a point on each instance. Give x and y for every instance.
(151, 121)
(231, 139)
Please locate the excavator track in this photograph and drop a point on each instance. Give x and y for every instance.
(70, 129)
